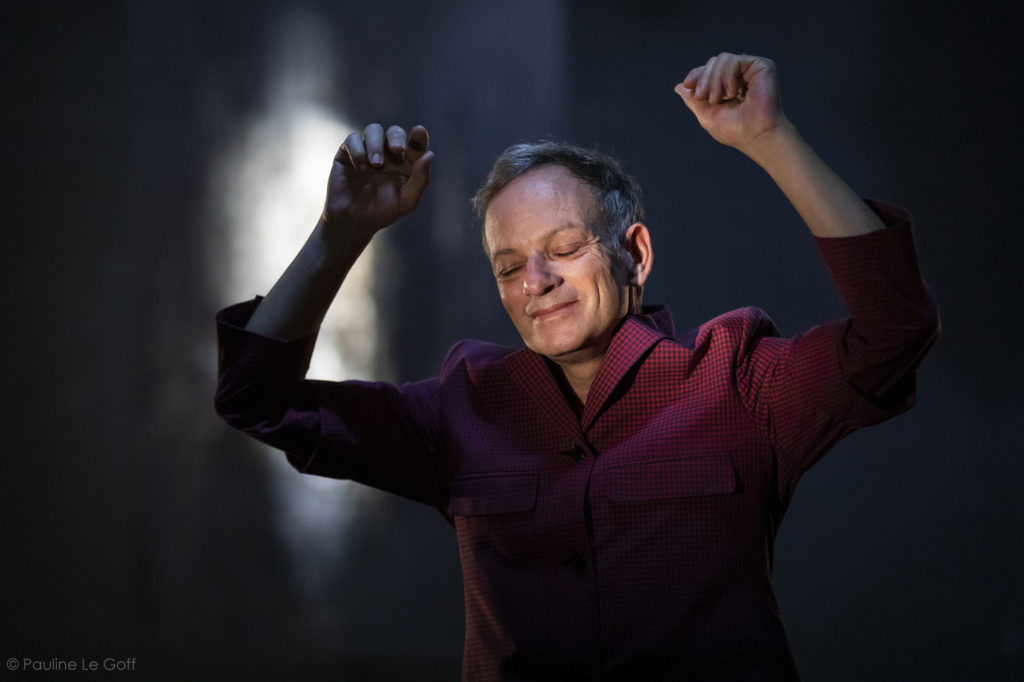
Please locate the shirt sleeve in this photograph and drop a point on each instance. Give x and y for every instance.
(375, 433)
(808, 392)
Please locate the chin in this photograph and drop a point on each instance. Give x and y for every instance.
(564, 349)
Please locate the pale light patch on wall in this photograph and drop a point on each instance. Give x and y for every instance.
(271, 182)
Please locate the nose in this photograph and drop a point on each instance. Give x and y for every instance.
(539, 278)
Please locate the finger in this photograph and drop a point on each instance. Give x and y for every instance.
(691, 78)
(731, 80)
(418, 181)
(419, 142)
(373, 137)
(745, 62)
(353, 149)
(716, 80)
(690, 99)
(342, 156)
(702, 84)
(737, 83)
(752, 67)
(396, 141)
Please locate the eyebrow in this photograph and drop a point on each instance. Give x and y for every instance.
(547, 235)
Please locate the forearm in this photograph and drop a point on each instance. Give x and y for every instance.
(297, 303)
(893, 315)
(828, 205)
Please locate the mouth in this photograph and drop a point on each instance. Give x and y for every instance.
(551, 311)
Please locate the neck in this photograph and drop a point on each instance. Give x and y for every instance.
(579, 368)
(575, 379)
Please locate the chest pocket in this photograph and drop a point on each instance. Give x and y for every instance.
(666, 479)
(493, 494)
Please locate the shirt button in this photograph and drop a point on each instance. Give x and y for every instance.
(576, 562)
(576, 452)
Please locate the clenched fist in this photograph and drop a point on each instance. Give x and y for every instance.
(735, 98)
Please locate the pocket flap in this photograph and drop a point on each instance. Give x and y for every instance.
(667, 479)
(492, 494)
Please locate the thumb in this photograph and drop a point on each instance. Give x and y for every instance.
(419, 178)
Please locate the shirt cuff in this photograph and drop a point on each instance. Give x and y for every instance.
(877, 273)
(245, 357)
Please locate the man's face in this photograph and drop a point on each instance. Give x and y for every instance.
(563, 292)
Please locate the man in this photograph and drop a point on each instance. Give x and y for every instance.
(616, 490)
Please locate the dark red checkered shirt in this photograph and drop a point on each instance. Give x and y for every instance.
(634, 542)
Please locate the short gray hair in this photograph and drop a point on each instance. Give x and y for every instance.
(616, 193)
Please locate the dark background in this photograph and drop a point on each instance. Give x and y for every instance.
(135, 524)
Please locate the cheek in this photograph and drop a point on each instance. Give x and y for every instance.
(509, 295)
(619, 270)
(614, 297)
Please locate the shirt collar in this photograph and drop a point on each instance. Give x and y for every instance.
(635, 337)
(659, 318)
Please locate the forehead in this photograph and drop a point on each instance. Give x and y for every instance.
(536, 203)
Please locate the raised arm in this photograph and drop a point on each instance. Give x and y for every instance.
(736, 99)
(377, 177)
(807, 392)
(373, 432)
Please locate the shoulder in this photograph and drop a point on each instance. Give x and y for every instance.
(735, 328)
(472, 355)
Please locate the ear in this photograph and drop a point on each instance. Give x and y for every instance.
(637, 242)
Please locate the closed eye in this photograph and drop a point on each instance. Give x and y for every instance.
(509, 271)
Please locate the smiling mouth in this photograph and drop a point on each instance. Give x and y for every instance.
(551, 311)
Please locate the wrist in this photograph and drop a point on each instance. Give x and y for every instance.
(335, 246)
(777, 142)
